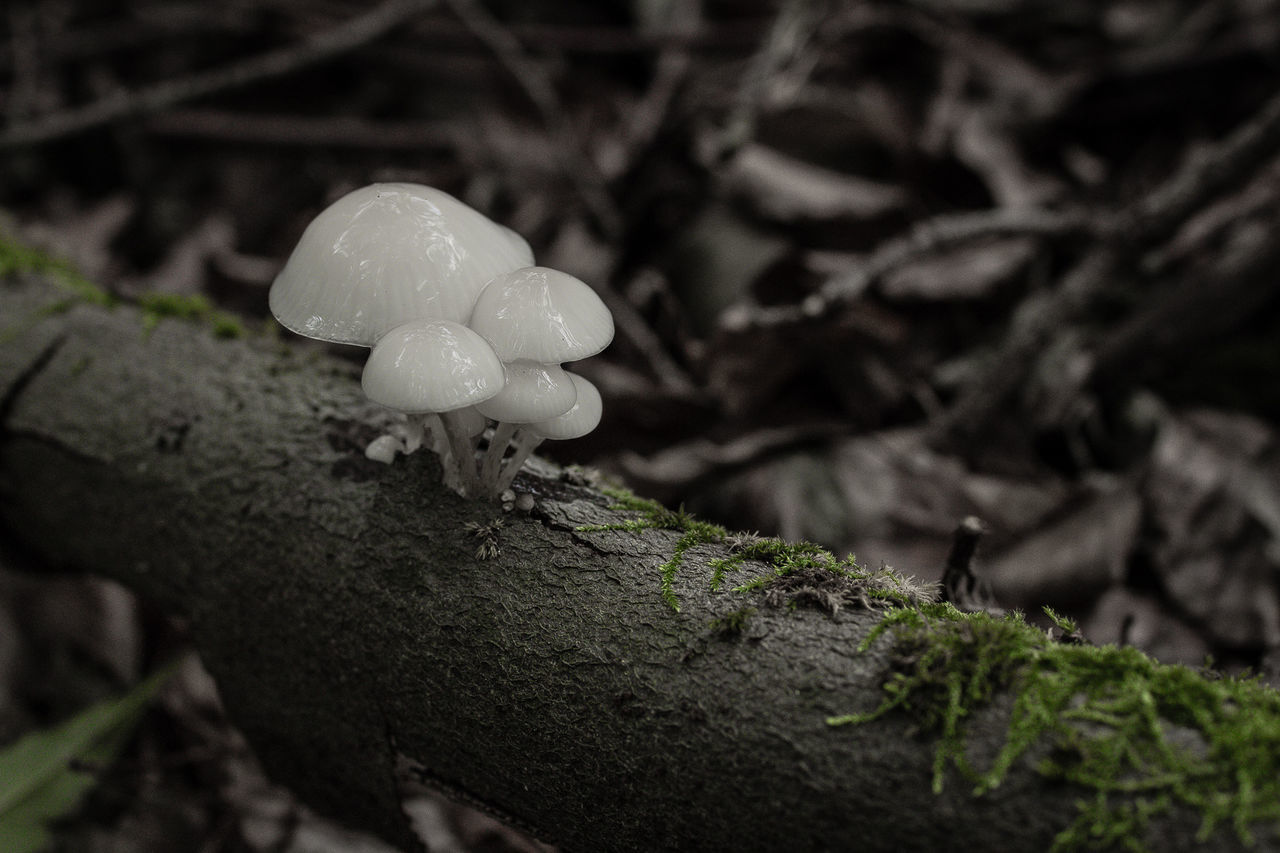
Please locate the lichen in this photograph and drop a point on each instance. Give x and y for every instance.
(1105, 713)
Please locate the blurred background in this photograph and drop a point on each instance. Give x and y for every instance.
(875, 267)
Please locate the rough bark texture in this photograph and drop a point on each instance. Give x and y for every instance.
(352, 630)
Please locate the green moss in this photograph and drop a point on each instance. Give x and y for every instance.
(732, 624)
(654, 516)
(1064, 623)
(17, 259)
(1105, 713)
(1141, 737)
(796, 571)
(197, 308)
(785, 557)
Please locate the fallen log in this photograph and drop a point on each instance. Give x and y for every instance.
(576, 670)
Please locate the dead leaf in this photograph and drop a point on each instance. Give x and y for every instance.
(1213, 491)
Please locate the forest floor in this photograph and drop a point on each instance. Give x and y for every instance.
(876, 267)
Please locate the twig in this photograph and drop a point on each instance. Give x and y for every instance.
(632, 325)
(926, 237)
(1205, 306)
(671, 71)
(340, 39)
(1206, 174)
(346, 131)
(1153, 217)
(534, 81)
(960, 584)
(785, 46)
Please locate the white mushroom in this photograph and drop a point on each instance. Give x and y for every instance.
(388, 253)
(543, 315)
(398, 267)
(536, 315)
(384, 449)
(575, 423)
(437, 368)
(534, 392)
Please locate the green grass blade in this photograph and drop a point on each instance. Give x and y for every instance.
(37, 780)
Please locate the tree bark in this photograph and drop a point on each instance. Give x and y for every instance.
(363, 647)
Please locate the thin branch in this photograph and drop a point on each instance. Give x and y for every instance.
(672, 69)
(1038, 319)
(925, 238)
(1154, 217)
(1208, 173)
(534, 81)
(785, 49)
(345, 131)
(334, 42)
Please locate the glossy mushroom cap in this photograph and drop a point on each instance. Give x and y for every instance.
(541, 314)
(533, 392)
(387, 253)
(578, 421)
(431, 366)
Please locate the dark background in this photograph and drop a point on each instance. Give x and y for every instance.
(875, 266)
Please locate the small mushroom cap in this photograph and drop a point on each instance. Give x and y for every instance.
(387, 253)
(431, 366)
(533, 392)
(544, 315)
(578, 421)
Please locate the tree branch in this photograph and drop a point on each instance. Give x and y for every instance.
(364, 648)
(343, 38)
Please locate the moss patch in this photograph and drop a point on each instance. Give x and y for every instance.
(1142, 738)
(157, 306)
(18, 259)
(733, 623)
(799, 573)
(1107, 715)
(487, 533)
(654, 516)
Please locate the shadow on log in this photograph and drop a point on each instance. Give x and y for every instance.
(365, 649)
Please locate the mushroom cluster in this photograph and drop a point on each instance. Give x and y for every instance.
(468, 337)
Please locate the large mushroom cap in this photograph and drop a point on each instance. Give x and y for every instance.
(388, 253)
(431, 366)
(541, 314)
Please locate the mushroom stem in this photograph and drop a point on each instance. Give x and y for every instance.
(414, 433)
(524, 442)
(498, 445)
(462, 448)
(432, 424)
